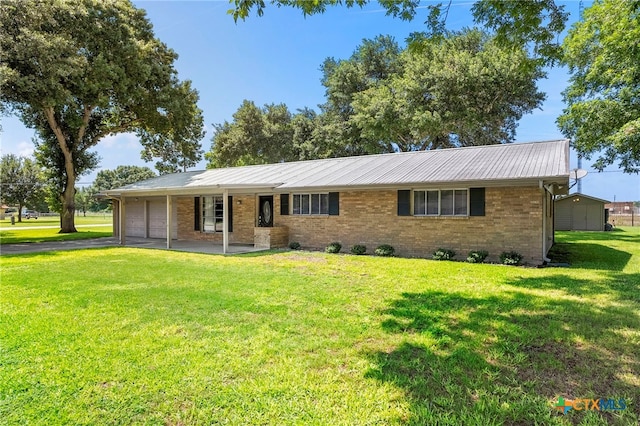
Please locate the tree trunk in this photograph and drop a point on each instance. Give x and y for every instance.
(67, 223)
(19, 212)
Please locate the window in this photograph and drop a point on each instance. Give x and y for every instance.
(310, 203)
(449, 202)
(425, 203)
(212, 210)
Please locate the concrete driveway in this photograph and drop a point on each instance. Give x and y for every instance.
(21, 248)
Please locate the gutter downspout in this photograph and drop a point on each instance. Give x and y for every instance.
(545, 188)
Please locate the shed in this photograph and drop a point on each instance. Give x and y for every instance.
(579, 212)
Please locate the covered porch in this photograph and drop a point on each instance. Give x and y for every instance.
(214, 221)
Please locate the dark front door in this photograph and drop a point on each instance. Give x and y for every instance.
(265, 212)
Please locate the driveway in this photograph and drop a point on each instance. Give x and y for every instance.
(21, 248)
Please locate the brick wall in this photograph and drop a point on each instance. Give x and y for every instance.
(512, 221)
(243, 221)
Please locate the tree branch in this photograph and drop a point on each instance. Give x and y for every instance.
(85, 122)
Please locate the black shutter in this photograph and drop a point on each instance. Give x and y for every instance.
(284, 204)
(404, 202)
(476, 202)
(334, 203)
(196, 213)
(230, 213)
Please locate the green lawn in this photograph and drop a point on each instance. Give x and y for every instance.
(92, 219)
(47, 228)
(134, 336)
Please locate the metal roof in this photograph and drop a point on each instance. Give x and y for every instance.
(579, 195)
(488, 163)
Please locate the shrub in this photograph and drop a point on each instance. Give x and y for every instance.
(334, 247)
(294, 245)
(443, 254)
(385, 250)
(510, 258)
(477, 256)
(358, 249)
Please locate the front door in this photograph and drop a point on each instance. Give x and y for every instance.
(265, 212)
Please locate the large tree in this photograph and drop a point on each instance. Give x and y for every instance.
(22, 183)
(372, 63)
(602, 116)
(255, 136)
(456, 90)
(533, 23)
(80, 70)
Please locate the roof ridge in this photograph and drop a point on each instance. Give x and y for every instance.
(420, 152)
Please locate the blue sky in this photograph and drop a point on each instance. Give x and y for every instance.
(276, 58)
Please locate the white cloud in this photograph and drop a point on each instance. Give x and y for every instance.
(25, 149)
(121, 140)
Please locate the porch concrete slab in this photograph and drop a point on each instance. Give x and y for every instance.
(207, 247)
(153, 243)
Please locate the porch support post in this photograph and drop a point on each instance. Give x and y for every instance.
(169, 209)
(225, 221)
(122, 221)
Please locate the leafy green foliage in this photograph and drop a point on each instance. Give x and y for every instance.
(78, 71)
(333, 247)
(116, 178)
(510, 258)
(404, 9)
(358, 249)
(535, 24)
(121, 176)
(459, 90)
(477, 256)
(443, 254)
(603, 98)
(21, 182)
(261, 136)
(294, 245)
(385, 250)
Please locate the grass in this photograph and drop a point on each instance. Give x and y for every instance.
(133, 336)
(46, 228)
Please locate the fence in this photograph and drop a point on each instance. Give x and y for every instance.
(630, 219)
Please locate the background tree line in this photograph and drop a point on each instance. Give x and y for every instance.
(448, 89)
(445, 90)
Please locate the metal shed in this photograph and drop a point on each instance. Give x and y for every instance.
(579, 212)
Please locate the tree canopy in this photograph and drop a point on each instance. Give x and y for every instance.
(22, 182)
(460, 90)
(110, 179)
(262, 135)
(80, 70)
(602, 117)
(455, 89)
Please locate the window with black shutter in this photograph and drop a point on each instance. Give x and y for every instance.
(334, 203)
(476, 202)
(284, 204)
(196, 213)
(230, 214)
(404, 202)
